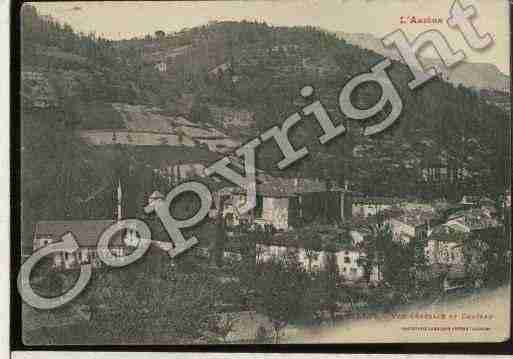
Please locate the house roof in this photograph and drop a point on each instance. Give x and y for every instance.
(475, 218)
(86, 232)
(446, 233)
(451, 271)
(413, 216)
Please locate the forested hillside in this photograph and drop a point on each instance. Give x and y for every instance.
(448, 140)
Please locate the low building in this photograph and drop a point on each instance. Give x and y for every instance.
(473, 219)
(409, 224)
(364, 206)
(445, 246)
(277, 201)
(87, 234)
(272, 208)
(349, 258)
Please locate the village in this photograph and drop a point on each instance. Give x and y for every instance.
(315, 222)
(309, 217)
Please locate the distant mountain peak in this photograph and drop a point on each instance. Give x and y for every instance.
(469, 74)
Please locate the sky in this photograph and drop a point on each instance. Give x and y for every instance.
(118, 20)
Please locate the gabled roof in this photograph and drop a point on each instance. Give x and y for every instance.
(446, 233)
(86, 232)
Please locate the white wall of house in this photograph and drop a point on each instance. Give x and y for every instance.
(184, 171)
(347, 260)
(266, 252)
(401, 231)
(356, 236)
(276, 212)
(161, 66)
(366, 210)
(141, 138)
(444, 252)
(84, 255)
(416, 206)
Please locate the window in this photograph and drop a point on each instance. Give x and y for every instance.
(347, 260)
(344, 269)
(347, 253)
(353, 270)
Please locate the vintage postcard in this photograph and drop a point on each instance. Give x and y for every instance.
(263, 172)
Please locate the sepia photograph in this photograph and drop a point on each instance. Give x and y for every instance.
(222, 173)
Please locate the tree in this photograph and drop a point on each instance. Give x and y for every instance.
(312, 248)
(396, 267)
(281, 286)
(221, 325)
(331, 279)
(146, 304)
(475, 259)
(262, 336)
(420, 270)
(373, 247)
(200, 113)
(219, 239)
(496, 259)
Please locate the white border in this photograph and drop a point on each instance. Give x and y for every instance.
(4, 178)
(128, 355)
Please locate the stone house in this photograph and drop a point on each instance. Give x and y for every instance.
(285, 203)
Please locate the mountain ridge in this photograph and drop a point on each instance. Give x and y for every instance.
(479, 75)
